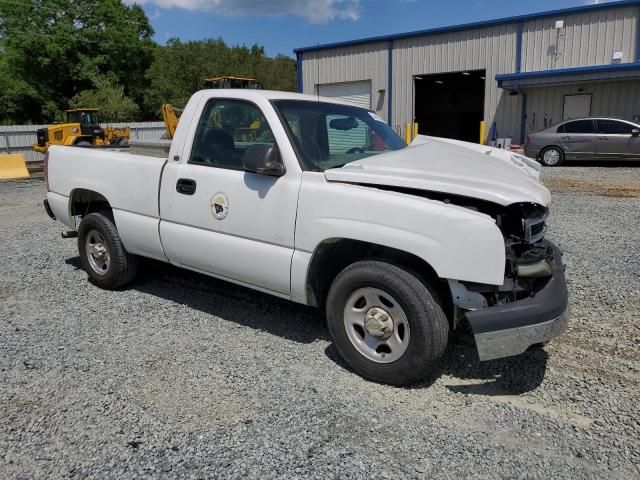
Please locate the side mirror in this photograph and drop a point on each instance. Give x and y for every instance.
(635, 132)
(263, 159)
(344, 124)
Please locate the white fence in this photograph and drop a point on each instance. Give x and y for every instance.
(19, 138)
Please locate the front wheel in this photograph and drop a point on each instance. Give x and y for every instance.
(385, 323)
(552, 157)
(102, 254)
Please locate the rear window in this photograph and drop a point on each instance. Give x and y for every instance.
(579, 126)
(612, 127)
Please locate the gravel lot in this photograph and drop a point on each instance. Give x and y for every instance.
(184, 376)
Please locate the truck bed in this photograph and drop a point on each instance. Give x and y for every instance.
(130, 182)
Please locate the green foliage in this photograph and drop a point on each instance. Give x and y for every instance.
(16, 95)
(109, 97)
(52, 48)
(179, 69)
(54, 53)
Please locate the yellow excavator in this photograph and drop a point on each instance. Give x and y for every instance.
(82, 128)
(233, 82)
(171, 115)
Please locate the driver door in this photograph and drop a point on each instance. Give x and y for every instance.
(221, 220)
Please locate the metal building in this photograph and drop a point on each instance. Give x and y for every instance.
(518, 74)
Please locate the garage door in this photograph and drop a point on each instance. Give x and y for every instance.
(355, 93)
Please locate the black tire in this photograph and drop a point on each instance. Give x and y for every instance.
(122, 266)
(556, 152)
(427, 322)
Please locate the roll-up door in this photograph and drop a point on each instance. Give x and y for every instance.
(355, 93)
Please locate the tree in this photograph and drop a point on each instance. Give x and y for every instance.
(179, 69)
(279, 73)
(52, 49)
(16, 95)
(109, 97)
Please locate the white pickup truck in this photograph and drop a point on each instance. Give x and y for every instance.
(321, 203)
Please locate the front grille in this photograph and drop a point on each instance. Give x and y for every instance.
(538, 229)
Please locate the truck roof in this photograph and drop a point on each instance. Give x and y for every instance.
(271, 95)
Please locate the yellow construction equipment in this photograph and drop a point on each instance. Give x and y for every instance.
(117, 135)
(81, 128)
(171, 117)
(233, 82)
(13, 166)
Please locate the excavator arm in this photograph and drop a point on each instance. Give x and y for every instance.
(171, 117)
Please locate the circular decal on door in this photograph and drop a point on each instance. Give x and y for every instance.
(219, 206)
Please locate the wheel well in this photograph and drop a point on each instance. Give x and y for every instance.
(334, 255)
(84, 202)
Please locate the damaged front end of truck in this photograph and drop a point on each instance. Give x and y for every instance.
(531, 306)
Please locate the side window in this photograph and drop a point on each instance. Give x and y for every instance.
(293, 120)
(560, 129)
(612, 127)
(225, 130)
(346, 135)
(579, 126)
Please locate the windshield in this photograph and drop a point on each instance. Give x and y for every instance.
(329, 135)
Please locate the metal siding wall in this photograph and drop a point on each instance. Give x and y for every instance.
(21, 137)
(587, 39)
(492, 49)
(349, 64)
(619, 99)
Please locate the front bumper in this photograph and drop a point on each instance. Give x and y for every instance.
(510, 329)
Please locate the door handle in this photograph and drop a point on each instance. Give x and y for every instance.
(186, 186)
(566, 137)
(603, 138)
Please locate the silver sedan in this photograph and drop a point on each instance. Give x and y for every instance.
(585, 139)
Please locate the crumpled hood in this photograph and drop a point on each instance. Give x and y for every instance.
(451, 166)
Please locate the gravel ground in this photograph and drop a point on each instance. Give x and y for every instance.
(184, 376)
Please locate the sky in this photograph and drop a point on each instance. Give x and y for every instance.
(283, 25)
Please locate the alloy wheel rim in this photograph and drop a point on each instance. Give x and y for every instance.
(552, 156)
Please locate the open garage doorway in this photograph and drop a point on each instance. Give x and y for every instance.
(450, 105)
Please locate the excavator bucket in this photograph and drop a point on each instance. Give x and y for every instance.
(13, 166)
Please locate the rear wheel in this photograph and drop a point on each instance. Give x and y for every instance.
(552, 157)
(385, 323)
(102, 254)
